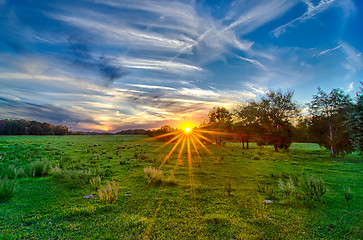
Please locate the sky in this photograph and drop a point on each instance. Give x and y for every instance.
(109, 65)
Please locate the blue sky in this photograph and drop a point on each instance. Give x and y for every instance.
(118, 64)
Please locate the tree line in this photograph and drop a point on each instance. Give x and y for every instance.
(24, 127)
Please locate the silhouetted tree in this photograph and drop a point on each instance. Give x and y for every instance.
(60, 130)
(219, 119)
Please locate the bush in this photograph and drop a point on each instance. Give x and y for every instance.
(7, 189)
(153, 175)
(8, 172)
(109, 193)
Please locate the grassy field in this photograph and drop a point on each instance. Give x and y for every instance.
(221, 196)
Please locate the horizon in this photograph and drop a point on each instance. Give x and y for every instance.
(112, 66)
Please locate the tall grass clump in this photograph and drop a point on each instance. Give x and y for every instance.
(39, 168)
(96, 183)
(109, 192)
(7, 189)
(72, 177)
(314, 187)
(287, 187)
(153, 175)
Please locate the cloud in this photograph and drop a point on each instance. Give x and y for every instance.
(49, 112)
(328, 50)
(354, 58)
(310, 13)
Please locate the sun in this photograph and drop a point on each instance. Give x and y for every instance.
(187, 130)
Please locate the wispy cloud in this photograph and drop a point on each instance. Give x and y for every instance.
(310, 13)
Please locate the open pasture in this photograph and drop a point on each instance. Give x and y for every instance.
(222, 195)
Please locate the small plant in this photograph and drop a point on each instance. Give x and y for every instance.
(229, 188)
(109, 192)
(7, 189)
(258, 207)
(153, 175)
(348, 194)
(74, 178)
(96, 182)
(288, 187)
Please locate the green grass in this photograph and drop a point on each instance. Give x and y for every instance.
(198, 207)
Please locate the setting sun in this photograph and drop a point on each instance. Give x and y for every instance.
(187, 130)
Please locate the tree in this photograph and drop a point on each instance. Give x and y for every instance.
(355, 121)
(271, 118)
(60, 130)
(328, 121)
(219, 119)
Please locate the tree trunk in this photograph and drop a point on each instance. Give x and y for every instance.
(276, 148)
(332, 152)
(243, 144)
(247, 143)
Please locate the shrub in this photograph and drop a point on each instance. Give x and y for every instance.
(96, 182)
(153, 175)
(109, 192)
(7, 189)
(8, 172)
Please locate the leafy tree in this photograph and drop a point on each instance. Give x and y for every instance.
(328, 121)
(355, 121)
(219, 119)
(271, 118)
(60, 130)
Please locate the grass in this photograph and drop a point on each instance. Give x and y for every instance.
(222, 199)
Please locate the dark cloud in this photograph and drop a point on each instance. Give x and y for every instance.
(82, 55)
(49, 113)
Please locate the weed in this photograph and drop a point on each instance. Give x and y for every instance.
(259, 207)
(109, 192)
(229, 188)
(348, 194)
(153, 175)
(74, 178)
(96, 182)
(9, 172)
(287, 187)
(7, 189)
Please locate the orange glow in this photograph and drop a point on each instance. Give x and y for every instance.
(187, 129)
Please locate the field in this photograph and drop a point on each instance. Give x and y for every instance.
(222, 195)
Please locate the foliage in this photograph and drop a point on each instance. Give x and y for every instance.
(355, 121)
(229, 187)
(109, 193)
(7, 189)
(24, 127)
(328, 122)
(153, 175)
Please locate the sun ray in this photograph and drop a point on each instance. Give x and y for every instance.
(181, 150)
(200, 142)
(212, 132)
(207, 139)
(171, 140)
(195, 147)
(171, 151)
(161, 136)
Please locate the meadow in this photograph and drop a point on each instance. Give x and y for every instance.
(230, 193)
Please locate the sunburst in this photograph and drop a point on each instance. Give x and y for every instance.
(187, 138)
